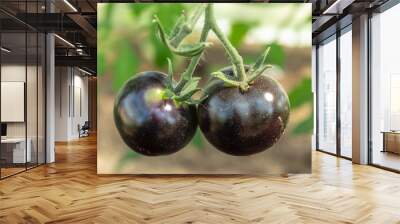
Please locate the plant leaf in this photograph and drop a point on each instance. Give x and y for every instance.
(186, 28)
(127, 157)
(178, 25)
(197, 140)
(227, 80)
(187, 95)
(167, 13)
(277, 55)
(301, 94)
(161, 31)
(161, 52)
(168, 93)
(261, 60)
(190, 50)
(239, 31)
(125, 65)
(190, 85)
(186, 50)
(170, 75)
(138, 9)
(305, 126)
(101, 63)
(258, 72)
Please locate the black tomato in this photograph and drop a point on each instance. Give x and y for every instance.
(244, 123)
(147, 122)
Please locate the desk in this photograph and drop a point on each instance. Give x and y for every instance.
(17, 150)
(391, 141)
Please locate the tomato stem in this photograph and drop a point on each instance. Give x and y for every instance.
(187, 28)
(210, 24)
(188, 73)
(236, 59)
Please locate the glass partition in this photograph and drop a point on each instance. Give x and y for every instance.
(22, 78)
(41, 109)
(35, 52)
(31, 100)
(14, 153)
(327, 95)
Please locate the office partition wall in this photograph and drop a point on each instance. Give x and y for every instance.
(334, 93)
(22, 88)
(14, 147)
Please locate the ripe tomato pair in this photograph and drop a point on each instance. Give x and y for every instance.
(236, 122)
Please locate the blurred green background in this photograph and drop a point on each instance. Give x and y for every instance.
(128, 44)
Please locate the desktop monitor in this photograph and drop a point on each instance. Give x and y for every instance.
(3, 129)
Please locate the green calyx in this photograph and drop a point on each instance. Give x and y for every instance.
(259, 66)
(241, 79)
(187, 86)
(255, 71)
(185, 94)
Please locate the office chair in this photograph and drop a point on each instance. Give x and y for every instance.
(84, 130)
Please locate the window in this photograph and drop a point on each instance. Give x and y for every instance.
(327, 95)
(385, 89)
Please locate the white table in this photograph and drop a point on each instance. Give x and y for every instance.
(19, 155)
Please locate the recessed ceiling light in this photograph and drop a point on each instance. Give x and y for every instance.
(337, 7)
(5, 50)
(64, 40)
(70, 5)
(84, 71)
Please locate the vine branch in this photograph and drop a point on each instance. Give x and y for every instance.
(236, 59)
(188, 73)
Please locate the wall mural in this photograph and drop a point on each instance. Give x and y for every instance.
(204, 88)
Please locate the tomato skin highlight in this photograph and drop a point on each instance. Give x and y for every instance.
(147, 122)
(244, 123)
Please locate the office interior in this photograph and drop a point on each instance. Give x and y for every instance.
(48, 76)
(48, 104)
(48, 82)
(355, 67)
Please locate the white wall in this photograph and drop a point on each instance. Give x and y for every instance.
(71, 93)
(80, 115)
(61, 103)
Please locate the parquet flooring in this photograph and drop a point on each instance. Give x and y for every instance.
(7, 171)
(69, 191)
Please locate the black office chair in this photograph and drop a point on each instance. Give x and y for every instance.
(84, 130)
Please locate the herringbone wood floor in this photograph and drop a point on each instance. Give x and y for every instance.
(69, 191)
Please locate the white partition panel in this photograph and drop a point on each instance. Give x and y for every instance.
(12, 101)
